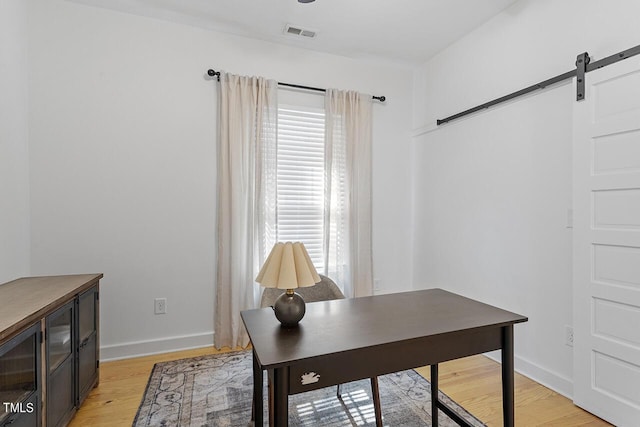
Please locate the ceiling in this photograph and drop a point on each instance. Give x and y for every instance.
(409, 31)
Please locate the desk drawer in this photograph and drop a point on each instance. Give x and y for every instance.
(327, 371)
(339, 368)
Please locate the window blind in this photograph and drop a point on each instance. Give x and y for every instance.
(300, 178)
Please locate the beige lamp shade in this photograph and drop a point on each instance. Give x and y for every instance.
(288, 266)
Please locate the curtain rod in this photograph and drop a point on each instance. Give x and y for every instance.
(583, 65)
(213, 73)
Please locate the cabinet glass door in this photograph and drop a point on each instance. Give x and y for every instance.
(18, 374)
(60, 365)
(59, 338)
(87, 341)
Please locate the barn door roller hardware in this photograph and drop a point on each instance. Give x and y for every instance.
(581, 69)
(583, 66)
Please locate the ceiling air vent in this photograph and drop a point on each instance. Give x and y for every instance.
(297, 31)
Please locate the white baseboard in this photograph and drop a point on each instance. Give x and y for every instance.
(161, 345)
(551, 380)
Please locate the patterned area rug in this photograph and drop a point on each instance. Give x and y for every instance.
(216, 391)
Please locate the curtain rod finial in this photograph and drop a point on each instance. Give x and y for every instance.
(213, 73)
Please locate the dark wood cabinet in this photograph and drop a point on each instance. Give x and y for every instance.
(49, 348)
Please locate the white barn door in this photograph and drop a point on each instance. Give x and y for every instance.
(606, 270)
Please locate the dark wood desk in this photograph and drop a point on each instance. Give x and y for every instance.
(346, 340)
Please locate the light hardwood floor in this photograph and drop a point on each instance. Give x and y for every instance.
(474, 382)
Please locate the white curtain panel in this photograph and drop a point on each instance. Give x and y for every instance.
(347, 240)
(246, 198)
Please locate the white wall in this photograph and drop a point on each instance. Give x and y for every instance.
(123, 128)
(493, 189)
(14, 157)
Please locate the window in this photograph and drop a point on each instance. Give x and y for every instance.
(300, 178)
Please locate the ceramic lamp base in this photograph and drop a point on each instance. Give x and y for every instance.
(289, 308)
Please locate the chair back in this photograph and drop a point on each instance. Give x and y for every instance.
(324, 290)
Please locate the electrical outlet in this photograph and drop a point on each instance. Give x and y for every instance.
(376, 284)
(160, 306)
(568, 335)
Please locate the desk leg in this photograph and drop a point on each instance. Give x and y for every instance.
(256, 410)
(375, 396)
(434, 395)
(507, 376)
(281, 397)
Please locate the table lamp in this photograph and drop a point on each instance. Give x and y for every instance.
(288, 266)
